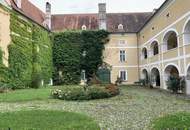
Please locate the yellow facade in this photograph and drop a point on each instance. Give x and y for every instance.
(112, 56)
(5, 38)
(173, 17)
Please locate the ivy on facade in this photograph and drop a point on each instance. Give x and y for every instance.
(67, 54)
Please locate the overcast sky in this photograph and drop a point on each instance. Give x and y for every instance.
(91, 6)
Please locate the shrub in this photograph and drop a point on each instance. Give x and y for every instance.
(112, 89)
(4, 87)
(80, 93)
(173, 83)
(118, 81)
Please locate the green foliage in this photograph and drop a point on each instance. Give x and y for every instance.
(81, 93)
(30, 53)
(67, 54)
(173, 83)
(173, 122)
(46, 120)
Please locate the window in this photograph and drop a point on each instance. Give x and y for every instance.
(123, 75)
(120, 27)
(83, 27)
(170, 40)
(121, 42)
(144, 53)
(122, 56)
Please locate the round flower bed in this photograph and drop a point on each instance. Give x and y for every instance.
(85, 93)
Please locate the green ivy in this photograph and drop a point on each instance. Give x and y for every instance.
(30, 53)
(67, 54)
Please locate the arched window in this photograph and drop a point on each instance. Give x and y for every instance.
(154, 48)
(144, 53)
(120, 27)
(187, 33)
(83, 27)
(170, 40)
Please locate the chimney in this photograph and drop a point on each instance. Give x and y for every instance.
(48, 15)
(102, 16)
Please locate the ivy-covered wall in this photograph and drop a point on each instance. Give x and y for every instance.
(68, 48)
(30, 53)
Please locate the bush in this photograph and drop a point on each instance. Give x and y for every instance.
(173, 83)
(4, 87)
(112, 89)
(80, 93)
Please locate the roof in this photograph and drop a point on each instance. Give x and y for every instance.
(74, 21)
(131, 22)
(29, 10)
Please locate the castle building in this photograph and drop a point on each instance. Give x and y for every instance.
(147, 45)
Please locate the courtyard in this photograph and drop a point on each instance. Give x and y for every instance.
(135, 108)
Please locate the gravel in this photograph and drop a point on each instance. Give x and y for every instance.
(133, 109)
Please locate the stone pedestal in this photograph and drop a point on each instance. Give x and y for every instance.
(83, 82)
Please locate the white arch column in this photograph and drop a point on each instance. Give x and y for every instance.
(188, 81)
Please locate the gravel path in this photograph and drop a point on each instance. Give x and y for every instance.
(134, 109)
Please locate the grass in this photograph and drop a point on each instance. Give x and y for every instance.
(26, 95)
(175, 121)
(46, 120)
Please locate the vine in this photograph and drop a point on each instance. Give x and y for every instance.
(30, 53)
(67, 54)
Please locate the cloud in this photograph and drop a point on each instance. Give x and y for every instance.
(91, 6)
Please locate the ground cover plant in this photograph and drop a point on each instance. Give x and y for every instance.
(46, 120)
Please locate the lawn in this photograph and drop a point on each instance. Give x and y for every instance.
(175, 121)
(135, 108)
(26, 95)
(46, 120)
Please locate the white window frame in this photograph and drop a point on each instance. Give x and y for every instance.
(122, 42)
(126, 75)
(84, 27)
(122, 56)
(120, 27)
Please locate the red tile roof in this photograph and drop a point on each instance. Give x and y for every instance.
(30, 10)
(131, 22)
(74, 22)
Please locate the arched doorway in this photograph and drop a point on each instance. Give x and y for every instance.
(170, 40)
(145, 76)
(188, 81)
(154, 48)
(171, 71)
(155, 77)
(144, 53)
(186, 33)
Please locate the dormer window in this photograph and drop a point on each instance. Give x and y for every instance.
(83, 27)
(19, 3)
(120, 27)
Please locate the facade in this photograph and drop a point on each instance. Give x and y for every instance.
(150, 45)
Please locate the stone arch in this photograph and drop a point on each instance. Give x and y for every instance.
(171, 70)
(170, 40)
(186, 32)
(145, 75)
(155, 77)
